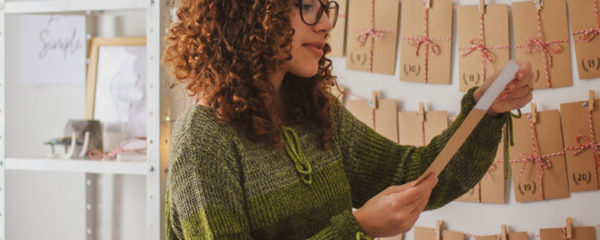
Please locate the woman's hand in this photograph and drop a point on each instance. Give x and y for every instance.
(396, 209)
(517, 93)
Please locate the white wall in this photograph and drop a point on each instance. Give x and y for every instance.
(474, 218)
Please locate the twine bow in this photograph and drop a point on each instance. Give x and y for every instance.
(536, 44)
(585, 144)
(418, 41)
(363, 37)
(541, 161)
(477, 45)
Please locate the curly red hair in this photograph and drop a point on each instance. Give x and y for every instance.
(223, 49)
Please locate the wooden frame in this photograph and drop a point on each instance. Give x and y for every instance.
(92, 71)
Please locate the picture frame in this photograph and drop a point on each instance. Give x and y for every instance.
(116, 84)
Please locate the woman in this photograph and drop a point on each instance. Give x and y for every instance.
(269, 154)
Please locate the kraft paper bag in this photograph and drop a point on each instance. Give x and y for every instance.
(397, 237)
(422, 233)
(579, 233)
(413, 131)
(426, 45)
(383, 119)
(555, 33)
(511, 236)
(372, 36)
(337, 36)
(581, 160)
(549, 146)
(586, 28)
(491, 188)
(481, 55)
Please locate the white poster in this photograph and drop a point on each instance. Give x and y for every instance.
(51, 49)
(121, 88)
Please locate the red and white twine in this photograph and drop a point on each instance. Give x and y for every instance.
(589, 34)
(485, 54)
(425, 40)
(541, 162)
(589, 142)
(545, 47)
(371, 34)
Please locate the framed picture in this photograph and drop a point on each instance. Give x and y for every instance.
(116, 84)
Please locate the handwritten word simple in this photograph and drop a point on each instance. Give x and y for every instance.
(64, 45)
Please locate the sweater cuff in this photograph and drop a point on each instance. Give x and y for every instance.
(468, 103)
(343, 226)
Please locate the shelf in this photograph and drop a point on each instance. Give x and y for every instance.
(64, 6)
(80, 166)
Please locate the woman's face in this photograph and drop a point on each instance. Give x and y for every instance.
(307, 44)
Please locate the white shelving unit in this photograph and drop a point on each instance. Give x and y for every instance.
(158, 132)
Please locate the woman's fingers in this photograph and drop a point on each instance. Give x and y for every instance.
(521, 92)
(524, 76)
(413, 196)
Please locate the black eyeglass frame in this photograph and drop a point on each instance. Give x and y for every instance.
(320, 13)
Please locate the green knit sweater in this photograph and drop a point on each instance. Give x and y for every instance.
(224, 185)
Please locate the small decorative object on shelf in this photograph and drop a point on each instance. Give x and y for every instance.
(80, 136)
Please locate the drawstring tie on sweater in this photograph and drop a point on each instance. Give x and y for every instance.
(509, 139)
(292, 146)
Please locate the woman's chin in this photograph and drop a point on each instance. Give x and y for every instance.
(306, 73)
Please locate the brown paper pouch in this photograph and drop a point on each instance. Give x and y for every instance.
(587, 46)
(518, 236)
(386, 119)
(337, 36)
(383, 120)
(496, 43)
(382, 46)
(549, 141)
(579, 233)
(427, 67)
(511, 236)
(581, 167)
(411, 129)
(555, 30)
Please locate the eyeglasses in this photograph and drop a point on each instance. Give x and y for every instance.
(311, 11)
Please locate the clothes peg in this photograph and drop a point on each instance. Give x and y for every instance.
(591, 101)
(504, 235)
(438, 230)
(533, 112)
(427, 3)
(374, 101)
(422, 111)
(569, 228)
(482, 6)
(538, 4)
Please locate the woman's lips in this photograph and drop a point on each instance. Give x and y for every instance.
(314, 49)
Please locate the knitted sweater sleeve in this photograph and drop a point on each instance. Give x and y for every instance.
(373, 163)
(205, 199)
